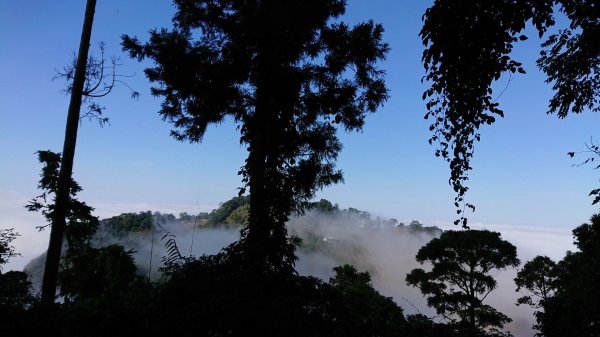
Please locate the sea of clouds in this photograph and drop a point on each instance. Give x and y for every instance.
(386, 252)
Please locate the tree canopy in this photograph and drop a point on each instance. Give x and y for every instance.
(571, 308)
(289, 74)
(460, 280)
(220, 215)
(15, 288)
(80, 223)
(369, 312)
(468, 48)
(538, 277)
(130, 222)
(7, 250)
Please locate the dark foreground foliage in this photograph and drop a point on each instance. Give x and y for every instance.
(566, 294)
(206, 297)
(213, 296)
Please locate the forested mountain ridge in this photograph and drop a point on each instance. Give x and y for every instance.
(135, 231)
(234, 213)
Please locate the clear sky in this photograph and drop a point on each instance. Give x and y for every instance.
(522, 176)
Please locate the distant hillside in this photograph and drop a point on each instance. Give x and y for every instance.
(142, 232)
(234, 213)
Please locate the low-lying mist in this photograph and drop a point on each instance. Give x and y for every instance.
(388, 254)
(387, 251)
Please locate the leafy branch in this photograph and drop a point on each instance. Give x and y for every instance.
(593, 152)
(7, 235)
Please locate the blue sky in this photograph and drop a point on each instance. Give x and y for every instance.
(522, 176)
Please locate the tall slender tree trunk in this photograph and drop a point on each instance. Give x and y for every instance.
(473, 324)
(261, 217)
(66, 168)
(258, 222)
(258, 219)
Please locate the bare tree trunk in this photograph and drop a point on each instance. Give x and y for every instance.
(259, 219)
(66, 168)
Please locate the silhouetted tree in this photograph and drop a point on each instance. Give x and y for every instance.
(86, 272)
(573, 308)
(80, 223)
(94, 273)
(538, 277)
(87, 78)
(7, 250)
(460, 279)
(213, 296)
(64, 179)
(468, 47)
(15, 288)
(100, 288)
(368, 312)
(14, 285)
(288, 75)
(15, 300)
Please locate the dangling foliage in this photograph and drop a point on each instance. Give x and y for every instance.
(468, 48)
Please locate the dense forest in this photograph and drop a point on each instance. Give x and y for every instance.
(110, 277)
(291, 75)
(145, 234)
